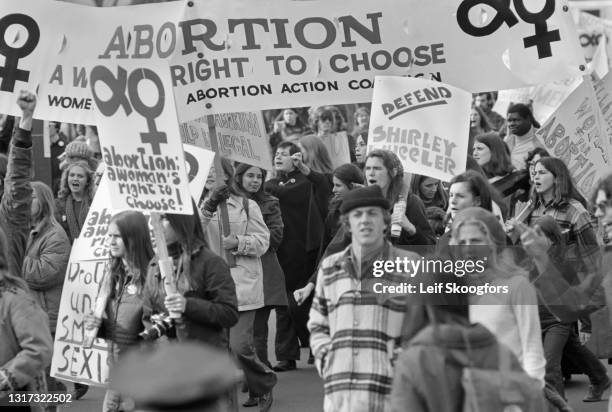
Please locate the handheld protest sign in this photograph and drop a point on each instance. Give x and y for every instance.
(140, 140)
(405, 120)
(163, 260)
(223, 214)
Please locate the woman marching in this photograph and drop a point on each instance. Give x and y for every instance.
(248, 181)
(248, 240)
(130, 252)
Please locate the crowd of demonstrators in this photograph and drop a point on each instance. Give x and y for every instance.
(303, 241)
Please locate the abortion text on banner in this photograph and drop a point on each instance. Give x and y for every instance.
(242, 55)
(253, 60)
(337, 145)
(425, 123)
(70, 360)
(241, 137)
(27, 39)
(139, 134)
(575, 133)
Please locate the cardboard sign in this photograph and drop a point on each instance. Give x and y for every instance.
(603, 92)
(337, 146)
(242, 56)
(70, 360)
(241, 137)
(424, 122)
(141, 144)
(575, 133)
(198, 162)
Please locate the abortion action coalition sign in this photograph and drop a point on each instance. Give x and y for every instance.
(425, 123)
(141, 144)
(242, 55)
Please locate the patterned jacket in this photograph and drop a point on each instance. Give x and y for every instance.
(583, 250)
(354, 332)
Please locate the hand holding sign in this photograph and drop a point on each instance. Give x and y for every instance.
(175, 303)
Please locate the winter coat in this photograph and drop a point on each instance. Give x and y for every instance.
(428, 371)
(353, 333)
(211, 306)
(253, 241)
(44, 266)
(25, 339)
(275, 293)
(303, 211)
(423, 240)
(124, 314)
(17, 198)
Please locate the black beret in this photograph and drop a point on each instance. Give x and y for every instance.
(363, 196)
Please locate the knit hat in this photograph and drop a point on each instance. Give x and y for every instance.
(484, 218)
(363, 196)
(78, 150)
(349, 173)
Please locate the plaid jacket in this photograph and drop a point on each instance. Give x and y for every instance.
(353, 334)
(583, 251)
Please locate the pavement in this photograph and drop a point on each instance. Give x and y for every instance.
(302, 390)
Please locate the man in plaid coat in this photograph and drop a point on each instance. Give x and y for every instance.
(355, 328)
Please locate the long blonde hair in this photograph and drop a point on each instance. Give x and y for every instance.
(317, 155)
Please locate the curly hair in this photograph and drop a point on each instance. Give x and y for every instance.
(395, 170)
(326, 113)
(64, 190)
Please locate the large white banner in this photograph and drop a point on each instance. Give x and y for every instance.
(575, 133)
(251, 55)
(139, 134)
(424, 122)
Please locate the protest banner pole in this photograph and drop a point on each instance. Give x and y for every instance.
(223, 215)
(99, 306)
(163, 259)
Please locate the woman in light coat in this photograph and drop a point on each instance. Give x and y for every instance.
(247, 241)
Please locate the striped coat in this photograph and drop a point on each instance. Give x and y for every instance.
(353, 333)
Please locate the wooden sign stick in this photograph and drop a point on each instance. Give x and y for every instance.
(223, 214)
(164, 261)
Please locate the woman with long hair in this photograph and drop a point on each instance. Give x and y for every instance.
(46, 259)
(478, 236)
(430, 191)
(361, 148)
(479, 124)
(25, 340)
(555, 194)
(383, 168)
(130, 251)
(315, 154)
(77, 189)
(248, 181)
(493, 156)
(206, 293)
(248, 239)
